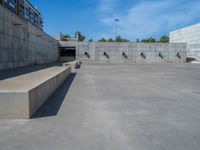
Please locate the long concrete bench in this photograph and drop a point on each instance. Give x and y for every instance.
(73, 64)
(22, 96)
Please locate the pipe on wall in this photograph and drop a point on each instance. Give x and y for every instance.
(143, 55)
(178, 55)
(124, 55)
(87, 54)
(161, 55)
(106, 55)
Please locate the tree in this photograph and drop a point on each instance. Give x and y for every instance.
(125, 40)
(120, 39)
(137, 40)
(66, 37)
(91, 40)
(102, 40)
(110, 40)
(144, 40)
(81, 37)
(149, 40)
(164, 39)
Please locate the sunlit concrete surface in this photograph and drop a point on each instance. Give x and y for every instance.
(115, 107)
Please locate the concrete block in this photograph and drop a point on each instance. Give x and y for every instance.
(22, 96)
(73, 64)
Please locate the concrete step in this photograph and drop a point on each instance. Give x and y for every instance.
(22, 96)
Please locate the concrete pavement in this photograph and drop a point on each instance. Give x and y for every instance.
(115, 107)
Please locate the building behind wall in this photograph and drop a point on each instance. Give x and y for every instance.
(26, 10)
(191, 36)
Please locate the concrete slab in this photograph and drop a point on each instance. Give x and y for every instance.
(21, 96)
(115, 107)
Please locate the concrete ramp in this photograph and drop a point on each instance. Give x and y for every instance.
(22, 96)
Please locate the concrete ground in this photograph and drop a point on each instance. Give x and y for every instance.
(115, 107)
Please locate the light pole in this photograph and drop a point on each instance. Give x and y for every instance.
(116, 21)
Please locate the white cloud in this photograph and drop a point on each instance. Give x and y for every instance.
(151, 18)
(106, 6)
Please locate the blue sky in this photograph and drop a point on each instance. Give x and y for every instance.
(138, 18)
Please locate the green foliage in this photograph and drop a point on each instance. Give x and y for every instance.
(120, 39)
(102, 40)
(164, 39)
(66, 37)
(144, 40)
(91, 40)
(110, 40)
(81, 37)
(149, 40)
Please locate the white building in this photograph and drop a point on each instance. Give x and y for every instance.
(191, 36)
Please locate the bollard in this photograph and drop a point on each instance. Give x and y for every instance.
(161, 55)
(106, 55)
(143, 55)
(178, 55)
(87, 55)
(125, 56)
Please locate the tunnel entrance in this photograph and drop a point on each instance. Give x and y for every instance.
(67, 54)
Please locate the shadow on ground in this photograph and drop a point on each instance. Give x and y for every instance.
(53, 104)
(10, 73)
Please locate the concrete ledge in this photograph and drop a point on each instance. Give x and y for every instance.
(22, 96)
(73, 64)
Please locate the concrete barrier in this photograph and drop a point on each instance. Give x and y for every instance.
(73, 64)
(22, 96)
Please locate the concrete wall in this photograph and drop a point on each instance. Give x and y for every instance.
(133, 52)
(22, 44)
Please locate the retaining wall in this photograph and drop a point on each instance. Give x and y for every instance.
(129, 52)
(22, 44)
